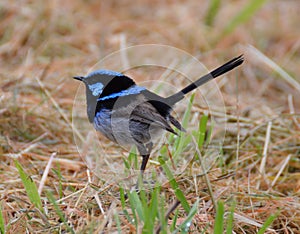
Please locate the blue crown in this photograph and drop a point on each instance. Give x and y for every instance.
(104, 72)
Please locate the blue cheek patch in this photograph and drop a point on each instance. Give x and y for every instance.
(96, 88)
(132, 90)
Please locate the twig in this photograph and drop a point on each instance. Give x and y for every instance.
(170, 210)
(264, 157)
(46, 172)
(260, 57)
(292, 109)
(281, 170)
(96, 196)
(238, 134)
(207, 181)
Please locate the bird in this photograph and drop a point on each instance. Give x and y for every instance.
(129, 114)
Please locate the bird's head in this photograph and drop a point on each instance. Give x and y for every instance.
(101, 84)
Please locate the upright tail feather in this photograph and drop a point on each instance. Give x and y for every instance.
(213, 74)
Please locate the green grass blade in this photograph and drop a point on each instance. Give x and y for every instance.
(202, 130)
(133, 220)
(59, 175)
(153, 207)
(133, 158)
(30, 187)
(162, 215)
(2, 224)
(212, 12)
(142, 197)
(136, 204)
(219, 221)
(174, 221)
(126, 163)
(59, 212)
(179, 194)
(181, 141)
(229, 227)
(122, 197)
(243, 15)
(185, 226)
(267, 223)
(153, 210)
(187, 113)
(118, 223)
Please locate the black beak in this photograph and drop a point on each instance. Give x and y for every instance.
(78, 78)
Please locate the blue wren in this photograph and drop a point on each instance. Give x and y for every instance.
(129, 114)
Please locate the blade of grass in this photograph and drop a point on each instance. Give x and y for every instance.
(242, 16)
(212, 12)
(154, 201)
(133, 158)
(136, 206)
(219, 221)
(122, 196)
(2, 224)
(183, 139)
(126, 163)
(184, 227)
(261, 58)
(229, 227)
(30, 187)
(209, 132)
(143, 202)
(207, 181)
(202, 130)
(179, 194)
(161, 216)
(267, 223)
(173, 225)
(151, 212)
(200, 135)
(187, 113)
(59, 175)
(118, 223)
(59, 212)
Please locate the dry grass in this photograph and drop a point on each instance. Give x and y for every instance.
(42, 45)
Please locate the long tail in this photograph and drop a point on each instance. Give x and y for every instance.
(215, 73)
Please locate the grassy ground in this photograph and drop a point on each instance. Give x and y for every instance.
(256, 179)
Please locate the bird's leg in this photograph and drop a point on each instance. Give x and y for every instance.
(144, 151)
(144, 163)
(146, 156)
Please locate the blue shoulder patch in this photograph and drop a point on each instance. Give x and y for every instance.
(132, 90)
(104, 72)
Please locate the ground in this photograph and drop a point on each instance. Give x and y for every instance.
(253, 113)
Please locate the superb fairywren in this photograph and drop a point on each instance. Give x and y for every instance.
(129, 114)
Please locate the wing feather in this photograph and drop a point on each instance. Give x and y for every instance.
(147, 113)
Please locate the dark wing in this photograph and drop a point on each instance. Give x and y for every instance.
(148, 114)
(155, 110)
(176, 123)
(162, 107)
